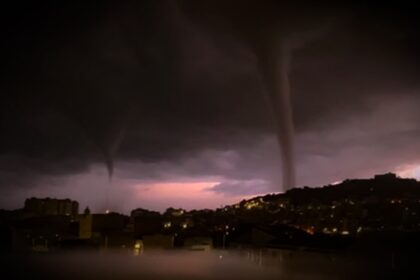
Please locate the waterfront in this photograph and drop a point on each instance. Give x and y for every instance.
(216, 264)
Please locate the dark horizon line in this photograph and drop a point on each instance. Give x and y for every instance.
(109, 211)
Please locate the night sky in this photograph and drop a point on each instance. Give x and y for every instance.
(169, 98)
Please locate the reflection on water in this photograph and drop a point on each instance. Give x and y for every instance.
(242, 264)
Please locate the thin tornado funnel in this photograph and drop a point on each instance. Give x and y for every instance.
(111, 147)
(274, 62)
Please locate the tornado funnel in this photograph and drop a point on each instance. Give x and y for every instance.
(274, 62)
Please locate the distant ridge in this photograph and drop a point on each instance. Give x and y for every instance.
(386, 186)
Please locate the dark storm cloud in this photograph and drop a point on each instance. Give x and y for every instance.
(240, 161)
(171, 95)
(22, 172)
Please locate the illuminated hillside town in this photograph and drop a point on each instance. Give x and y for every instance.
(333, 217)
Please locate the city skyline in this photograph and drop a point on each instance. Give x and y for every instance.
(166, 199)
(384, 203)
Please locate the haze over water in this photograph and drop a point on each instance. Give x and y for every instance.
(201, 265)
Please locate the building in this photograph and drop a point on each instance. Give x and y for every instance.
(386, 177)
(51, 206)
(85, 226)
